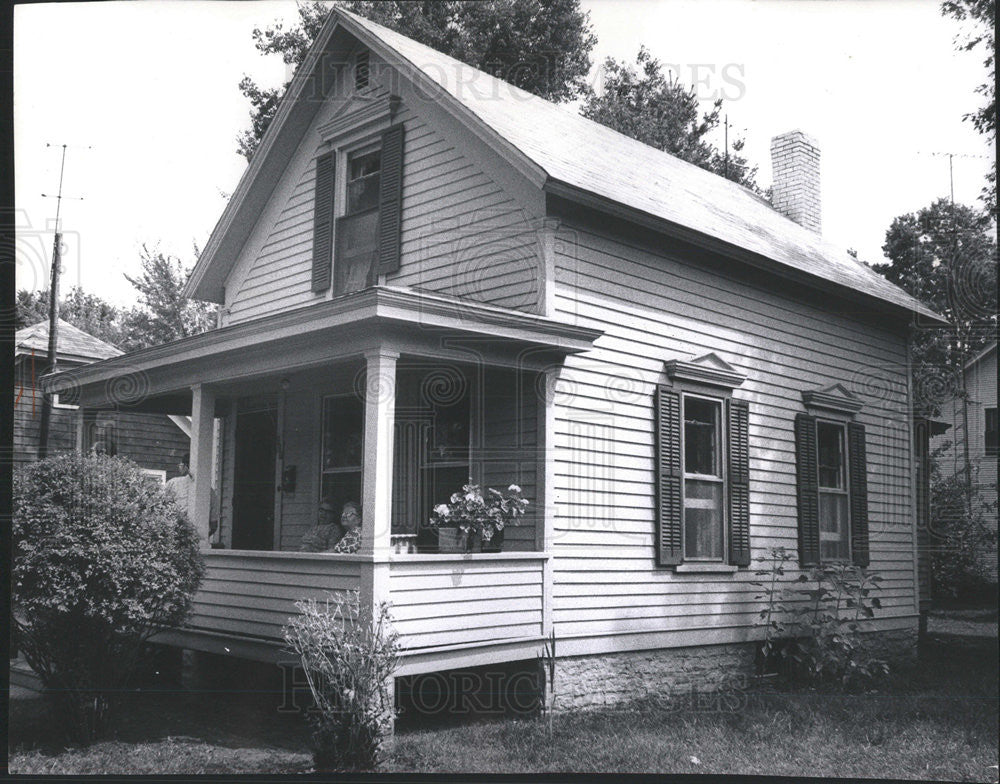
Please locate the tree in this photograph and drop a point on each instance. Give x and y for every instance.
(542, 46)
(84, 311)
(945, 256)
(983, 14)
(164, 313)
(659, 111)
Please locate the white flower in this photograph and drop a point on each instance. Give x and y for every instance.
(442, 510)
(514, 489)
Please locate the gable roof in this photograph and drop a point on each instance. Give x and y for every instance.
(74, 344)
(568, 155)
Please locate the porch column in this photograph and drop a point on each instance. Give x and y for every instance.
(376, 515)
(81, 425)
(202, 438)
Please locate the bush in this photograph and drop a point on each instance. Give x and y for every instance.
(962, 537)
(348, 658)
(102, 559)
(816, 630)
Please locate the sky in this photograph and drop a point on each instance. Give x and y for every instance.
(144, 94)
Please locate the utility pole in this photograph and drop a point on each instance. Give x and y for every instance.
(43, 427)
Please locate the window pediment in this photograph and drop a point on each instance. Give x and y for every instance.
(359, 113)
(834, 398)
(708, 369)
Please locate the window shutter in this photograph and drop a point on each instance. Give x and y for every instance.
(808, 489)
(858, 468)
(739, 482)
(390, 200)
(669, 539)
(323, 221)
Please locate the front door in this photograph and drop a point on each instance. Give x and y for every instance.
(253, 487)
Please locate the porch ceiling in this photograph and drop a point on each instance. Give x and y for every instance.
(379, 317)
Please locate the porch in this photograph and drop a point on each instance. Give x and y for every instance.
(384, 397)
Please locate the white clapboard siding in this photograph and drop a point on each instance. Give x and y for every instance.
(653, 307)
(254, 594)
(464, 601)
(461, 233)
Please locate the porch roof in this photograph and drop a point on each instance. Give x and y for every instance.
(159, 378)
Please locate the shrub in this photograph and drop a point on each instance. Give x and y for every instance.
(102, 559)
(816, 630)
(828, 648)
(962, 536)
(348, 658)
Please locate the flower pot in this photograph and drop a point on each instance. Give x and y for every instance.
(452, 540)
(495, 544)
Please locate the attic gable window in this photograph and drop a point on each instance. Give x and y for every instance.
(362, 70)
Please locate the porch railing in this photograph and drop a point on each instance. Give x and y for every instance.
(253, 594)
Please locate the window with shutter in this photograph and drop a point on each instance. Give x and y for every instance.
(702, 466)
(323, 206)
(832, 479)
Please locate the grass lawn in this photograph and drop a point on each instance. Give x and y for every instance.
(938, 722)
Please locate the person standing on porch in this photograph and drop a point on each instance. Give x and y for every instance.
(182, 489)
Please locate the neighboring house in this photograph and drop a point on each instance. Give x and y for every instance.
(427, 274)
(972, 435)
(152, 440)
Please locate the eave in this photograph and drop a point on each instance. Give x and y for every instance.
(712, 244)
(411, 322)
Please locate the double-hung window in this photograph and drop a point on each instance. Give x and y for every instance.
(832, 478)
(357, 229)
(704, 479)
(834, 511)
(702, 467)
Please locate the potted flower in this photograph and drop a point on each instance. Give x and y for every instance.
(469, 516)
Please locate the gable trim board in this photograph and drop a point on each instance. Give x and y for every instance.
(837, 275)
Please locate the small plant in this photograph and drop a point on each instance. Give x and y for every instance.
(773, 614)
(102, 560)
(348, 657)
(476, 515)
(547, 665)
(828, 647)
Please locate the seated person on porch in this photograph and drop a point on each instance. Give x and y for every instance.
(332, 537)
(182, 489)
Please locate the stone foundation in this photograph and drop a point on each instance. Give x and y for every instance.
(674, 676)
(702, 677)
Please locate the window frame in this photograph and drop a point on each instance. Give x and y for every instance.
(342, 470)
(990, 450)
(844, 492)
(722, 479)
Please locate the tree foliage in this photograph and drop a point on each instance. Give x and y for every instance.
(162, 314)
(542, 46)
(103, 557)
(982, 14)
(945, 256)
(88, 312)
(658, 110)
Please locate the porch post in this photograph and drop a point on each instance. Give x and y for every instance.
(80, 428)
(202, 431)
(380, 408)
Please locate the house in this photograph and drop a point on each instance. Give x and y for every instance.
(972, 436)
(426, 274)
(153, 441)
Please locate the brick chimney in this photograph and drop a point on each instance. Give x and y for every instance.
(796, 189)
